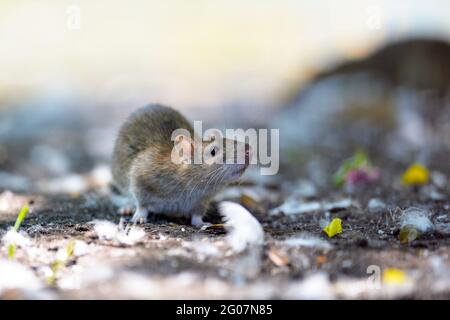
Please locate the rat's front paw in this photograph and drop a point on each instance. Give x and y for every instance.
(140, 216)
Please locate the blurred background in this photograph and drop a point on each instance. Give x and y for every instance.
(331, 75)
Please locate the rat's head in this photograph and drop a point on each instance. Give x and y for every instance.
(216, 161)
(229, 158)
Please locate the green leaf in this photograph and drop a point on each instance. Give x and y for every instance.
(70, 249)
(11, 251)
(21, 217)
(408, 234)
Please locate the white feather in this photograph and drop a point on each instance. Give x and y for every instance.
(307, 241)
(243, 229)
(107, 230)
(19, 239)
(417, 218)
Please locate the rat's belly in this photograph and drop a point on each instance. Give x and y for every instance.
(180, 206)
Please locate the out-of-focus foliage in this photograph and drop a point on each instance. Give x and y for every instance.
(357, 169)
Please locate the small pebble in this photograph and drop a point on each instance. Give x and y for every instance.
(376, 206)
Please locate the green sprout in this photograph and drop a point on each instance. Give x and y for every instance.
(11, 251)
(59, 264)
(20, 218)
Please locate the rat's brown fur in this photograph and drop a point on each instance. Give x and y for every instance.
(143, 170)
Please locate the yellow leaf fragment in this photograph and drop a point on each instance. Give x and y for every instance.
(334, 228)
(250, 203)
(408, 234)
(415, 175)
(11, 251)
(394, 276)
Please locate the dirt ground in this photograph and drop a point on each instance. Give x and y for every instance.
(175, 260)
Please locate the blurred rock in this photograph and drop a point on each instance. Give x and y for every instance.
(376, 205)
(68, 184)
(398, 95)
(48, 142)
(316, 286)
(253, 176)
(439, 179)
(294, 206)
(430, 192)
(443, 228)
(301, 188)
(307, 241)
(98, 178)
(50, 159)
(14, 182)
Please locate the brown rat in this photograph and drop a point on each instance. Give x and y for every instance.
(161, 179)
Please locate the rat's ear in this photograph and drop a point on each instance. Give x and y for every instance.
(182, 150)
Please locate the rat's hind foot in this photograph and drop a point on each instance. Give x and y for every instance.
(127, 211)
(140, 216)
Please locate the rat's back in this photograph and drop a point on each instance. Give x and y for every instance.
(148, 127)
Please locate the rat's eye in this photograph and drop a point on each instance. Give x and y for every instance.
(214, 151)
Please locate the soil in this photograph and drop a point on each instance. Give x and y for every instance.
(166, 264)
